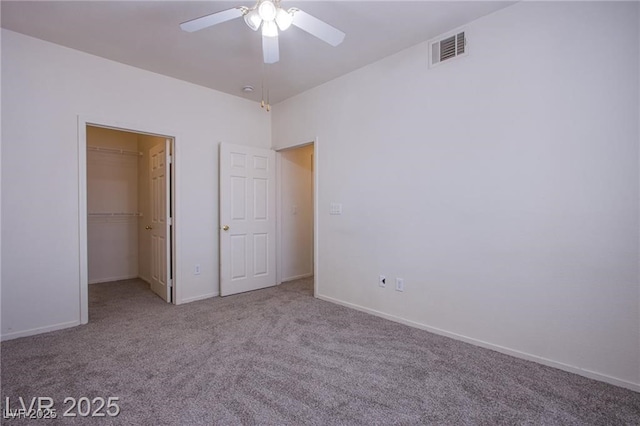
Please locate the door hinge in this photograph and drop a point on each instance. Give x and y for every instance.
(170, 221)
(170, 159)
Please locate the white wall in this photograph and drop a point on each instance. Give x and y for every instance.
(503, 186)
(112, 187)
(45, 88)
(296, 213)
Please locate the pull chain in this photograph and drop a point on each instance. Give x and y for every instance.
(262, 101)
(265, 76)
(268, 104)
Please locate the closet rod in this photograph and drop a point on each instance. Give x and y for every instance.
(137, 214)
(113, 150)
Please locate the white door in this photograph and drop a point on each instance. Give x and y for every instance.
(247, 219)
(159, 157)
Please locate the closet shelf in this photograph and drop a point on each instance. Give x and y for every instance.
(135, 214)
(113, 151)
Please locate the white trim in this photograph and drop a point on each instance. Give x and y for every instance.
(39, 330)
(316, 216)
(110, 123)
(1, 191)
(176, 157)
(297, 277)
(82, 220)
(112, 279)
(201, 297)
(638, 300)
(279, 279)
(518, 354)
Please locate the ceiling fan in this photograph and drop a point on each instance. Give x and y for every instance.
(269, 15)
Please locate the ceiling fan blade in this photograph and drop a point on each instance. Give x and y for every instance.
(270, 49)
(213, 19)
(317, 28)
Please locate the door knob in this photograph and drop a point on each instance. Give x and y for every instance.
(148, 227)
(225, 228)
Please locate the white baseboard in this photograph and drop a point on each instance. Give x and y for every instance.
(38, 330)
(518, 354)
(111, 279)
(297, 277)
(196, 298)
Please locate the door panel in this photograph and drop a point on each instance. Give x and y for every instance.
(260, 254)
(247, 208)
(160, 222)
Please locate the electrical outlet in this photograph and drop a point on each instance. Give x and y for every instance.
(382, 281)
(196, 270)
(399, 284)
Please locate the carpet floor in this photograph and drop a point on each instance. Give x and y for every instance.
(278, 356)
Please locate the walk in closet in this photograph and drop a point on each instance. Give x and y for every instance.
(118, 245)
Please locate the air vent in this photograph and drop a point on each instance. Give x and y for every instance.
(447, 48)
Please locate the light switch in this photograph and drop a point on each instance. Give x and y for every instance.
(336, 208)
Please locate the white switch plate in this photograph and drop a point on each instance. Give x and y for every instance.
(196, 270)
(336, 208)
(399, 284)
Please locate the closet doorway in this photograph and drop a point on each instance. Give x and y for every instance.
(129, 208)
(296, 212)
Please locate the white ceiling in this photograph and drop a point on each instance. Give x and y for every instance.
(228, 56)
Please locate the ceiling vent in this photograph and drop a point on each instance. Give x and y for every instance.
(446, 48)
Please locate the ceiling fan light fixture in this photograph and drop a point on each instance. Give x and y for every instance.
(267, 10)
(284, 19)
(253, 19)
(269, 29)
(272, 18)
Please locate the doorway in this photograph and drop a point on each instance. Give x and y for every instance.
(126, 208)
(296, 207)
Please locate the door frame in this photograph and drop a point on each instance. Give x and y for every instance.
(83, 122)
(315, 177)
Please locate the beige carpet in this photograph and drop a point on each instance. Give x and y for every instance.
(279, 356)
